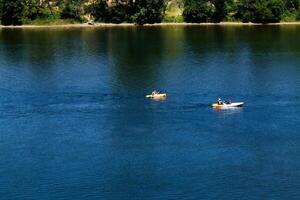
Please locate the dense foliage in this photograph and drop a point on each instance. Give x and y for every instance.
(149, 11)
(258, 11)
(72, 9)
(12, 12)
(198, 11)
(138, 11)
(17, 12)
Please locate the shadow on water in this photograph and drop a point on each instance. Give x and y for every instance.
(29, 46)
(134, 65)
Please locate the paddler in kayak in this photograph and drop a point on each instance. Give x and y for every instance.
(221, 102)
(157, 95)
(155, 92)
(227, 104)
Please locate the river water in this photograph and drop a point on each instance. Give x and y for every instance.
(75, 123)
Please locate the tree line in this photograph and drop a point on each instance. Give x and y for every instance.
(257, 11)
(16, 12)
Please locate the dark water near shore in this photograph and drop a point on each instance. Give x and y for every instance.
(74, 123)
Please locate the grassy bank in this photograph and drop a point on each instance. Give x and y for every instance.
(163, 24)
(41, 22)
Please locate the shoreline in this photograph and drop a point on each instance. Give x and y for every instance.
(148, 25)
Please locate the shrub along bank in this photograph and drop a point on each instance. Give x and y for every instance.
(18, 12)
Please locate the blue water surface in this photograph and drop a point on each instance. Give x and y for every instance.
(75, 123)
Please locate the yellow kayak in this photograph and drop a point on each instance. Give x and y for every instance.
(227, 106)
(157, 96)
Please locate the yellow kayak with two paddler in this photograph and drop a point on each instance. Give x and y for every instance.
(156, 95)
(227, 104)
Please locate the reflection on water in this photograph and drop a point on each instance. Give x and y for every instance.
(75, 123)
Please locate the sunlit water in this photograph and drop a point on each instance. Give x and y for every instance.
(75, 124)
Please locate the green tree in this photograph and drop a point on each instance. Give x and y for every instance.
(149, 11)
(268, 11)
(292, 4)
(117, 13)
(35, 9)
(198, 11)
(1, 9)
(99, 10)
(231, 10)
(72, 9)
(246, 10)
(13, 12)
(260, 11)
(220, 12)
